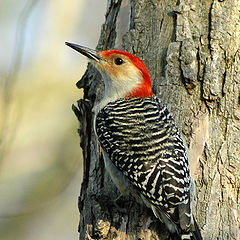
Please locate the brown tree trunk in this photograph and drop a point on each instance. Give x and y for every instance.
(192, 49)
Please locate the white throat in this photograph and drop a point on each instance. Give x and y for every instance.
(119, 87)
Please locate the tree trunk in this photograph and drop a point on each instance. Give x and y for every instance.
(192, 50)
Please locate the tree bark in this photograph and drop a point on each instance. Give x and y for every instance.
(192, 50)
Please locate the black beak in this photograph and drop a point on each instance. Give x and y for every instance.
(90, 53)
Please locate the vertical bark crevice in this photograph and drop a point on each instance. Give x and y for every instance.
(210, 25)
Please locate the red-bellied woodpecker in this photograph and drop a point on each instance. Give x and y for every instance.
(142, 148)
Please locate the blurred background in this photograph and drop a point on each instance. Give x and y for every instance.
(40, 157)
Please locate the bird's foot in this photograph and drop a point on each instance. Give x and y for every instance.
(119, 202)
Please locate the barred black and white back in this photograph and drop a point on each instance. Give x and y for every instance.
(140, 139)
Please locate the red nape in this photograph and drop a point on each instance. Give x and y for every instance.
(144, 89)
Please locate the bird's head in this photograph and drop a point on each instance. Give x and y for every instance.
(124, 74)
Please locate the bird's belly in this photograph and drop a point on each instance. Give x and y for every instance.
(120, 180)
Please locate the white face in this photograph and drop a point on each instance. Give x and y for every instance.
(120, 76)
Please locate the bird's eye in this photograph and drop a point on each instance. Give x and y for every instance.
(118, 61)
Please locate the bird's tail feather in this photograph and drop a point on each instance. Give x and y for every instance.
(196, 234)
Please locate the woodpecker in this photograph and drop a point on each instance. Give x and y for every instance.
(141, 144)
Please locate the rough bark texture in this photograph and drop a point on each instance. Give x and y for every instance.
(192, 50)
